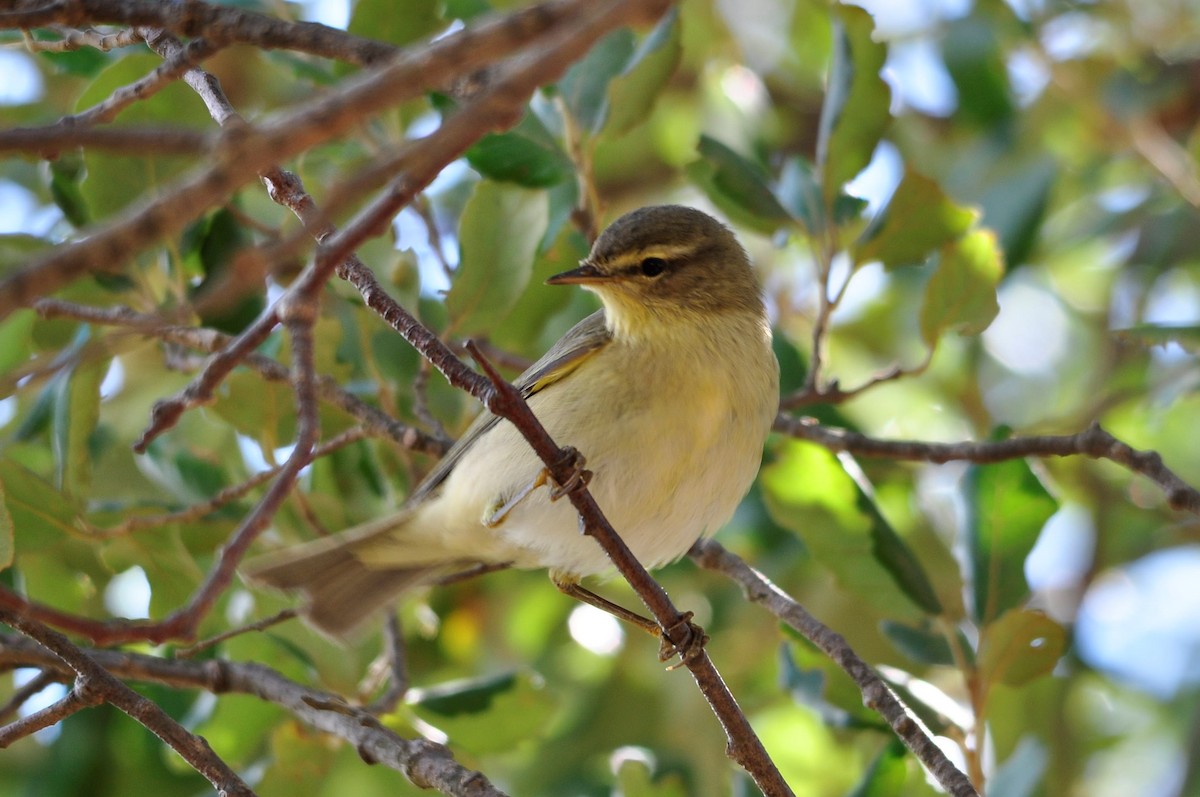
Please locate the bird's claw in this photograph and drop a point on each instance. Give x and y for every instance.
(580, 476)
(690, 645)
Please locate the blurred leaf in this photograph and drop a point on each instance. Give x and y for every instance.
(1014, 205)
(631, 94)
(114, 181)
(855, 112)
(972, 57)
(300, 762)
(809, 677)
(961, 295)
(1022, 773)
(84, 62)
(488, 715)
(919, 644)
(384, 21)
(887, 773)
(15, 343)
(527, 155)
(1007, 506)
(1019, 646)
(585, 86)
(917, 220)
(636, 779)
(800, 193)
(887, 546)
(76, 412)
(6, 531)
(66, 175)
(522, 329)
(262, 411)
(40, 514)
(1188, 337)
(217, 240)
(737, 186)
(500, 230)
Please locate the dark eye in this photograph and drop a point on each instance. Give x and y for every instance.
(653, 266)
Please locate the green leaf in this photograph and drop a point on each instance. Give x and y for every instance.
(585, 86)
(524, 329)
(814, 681)
(263, 411)
(807, 490)
(499, 234)
(1019, 646)
(76, 413)
(737, 186)
(855, 112)
(6, 531)
(15, 342)
(888, 548)
(919, 644)
(917, 220)
(66, 175)
(488, 715)
(631, 95)
(977, 66)
(887, 773)
(40, 514)
(217, 241)
(384, 21)
(961, 295)
(1015, 204)
(527, 155)
(636, 779)
(800, 193)
(1007, 506)
(114, 181)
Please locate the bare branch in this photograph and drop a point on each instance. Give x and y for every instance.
(74, 39)
(1092, 442)
(876, 694)
(77, 699)
(425, 763)
(48, 141)
(92, 677)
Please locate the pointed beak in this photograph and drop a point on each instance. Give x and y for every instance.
(586, 274)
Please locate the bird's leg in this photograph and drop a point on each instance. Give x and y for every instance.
(579, 476)
(690, 646)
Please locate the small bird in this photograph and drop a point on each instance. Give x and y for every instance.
(669, 392)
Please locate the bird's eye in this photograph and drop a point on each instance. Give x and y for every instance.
(653, 266)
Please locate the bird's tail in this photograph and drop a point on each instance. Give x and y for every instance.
(341, 592)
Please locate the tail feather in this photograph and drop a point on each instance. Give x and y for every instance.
(341, 591)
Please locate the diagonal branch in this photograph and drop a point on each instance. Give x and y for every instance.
(875, 692)
(425, 763)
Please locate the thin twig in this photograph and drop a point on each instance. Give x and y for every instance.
(259, 625)
(94, 683)
(1092, 442)
(425, 763)
(75, 39)
(79, 698)
(26, 691)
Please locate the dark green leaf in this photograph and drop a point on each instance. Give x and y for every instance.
(527, 155)
(488, 715)
(887, 773)
(977, 67)
(919, 644)
(917, 220)
(499, 234)
(855, 112)
(1015, 204)
(470, 696)
(217, 241)
(66, 175)
(961, 295)
(1019, 646)
(737, 186)
(631, 95)
(887, 546)
(1007, 506)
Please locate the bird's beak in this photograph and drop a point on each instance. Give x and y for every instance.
(586, 274)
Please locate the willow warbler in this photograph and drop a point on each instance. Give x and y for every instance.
(669, 392)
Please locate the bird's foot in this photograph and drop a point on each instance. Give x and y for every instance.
(580, 476)
(684, 639)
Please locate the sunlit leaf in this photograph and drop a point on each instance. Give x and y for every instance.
(961, 295)
(1007, 506)
(1019, 646)
(855, 112)
(499, 234)
(917, 220)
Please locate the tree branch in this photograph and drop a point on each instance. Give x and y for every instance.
(1092, 442)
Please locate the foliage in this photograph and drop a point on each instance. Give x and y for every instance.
(1008, 253)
